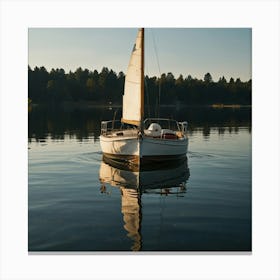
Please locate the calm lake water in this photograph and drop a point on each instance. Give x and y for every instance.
(76, 202)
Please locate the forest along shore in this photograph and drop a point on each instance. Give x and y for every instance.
(85, 88)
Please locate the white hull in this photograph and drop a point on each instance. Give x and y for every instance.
(136, 148)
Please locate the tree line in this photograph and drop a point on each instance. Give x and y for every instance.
(106, 87)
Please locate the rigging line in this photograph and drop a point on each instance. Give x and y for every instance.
(148, 99)
(147, 95)
(159, 85)
(156, 52)
(114, 118)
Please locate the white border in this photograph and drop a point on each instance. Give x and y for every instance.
(17, 16)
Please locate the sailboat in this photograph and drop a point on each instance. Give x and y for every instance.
(133, 139)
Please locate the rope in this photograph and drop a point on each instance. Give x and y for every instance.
(159, 86)
(147, 95)
(156, 52)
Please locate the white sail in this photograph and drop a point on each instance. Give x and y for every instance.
(133, 101)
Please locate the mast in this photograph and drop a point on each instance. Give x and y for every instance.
(142, 80)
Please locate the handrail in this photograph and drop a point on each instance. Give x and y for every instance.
(106, 128)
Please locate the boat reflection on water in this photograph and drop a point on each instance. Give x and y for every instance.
(165, 180)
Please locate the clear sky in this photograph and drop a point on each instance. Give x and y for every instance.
(187, 51)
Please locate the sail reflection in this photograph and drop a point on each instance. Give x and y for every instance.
(131, 210)
(166, 180)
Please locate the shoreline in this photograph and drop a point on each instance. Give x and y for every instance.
(83, 105)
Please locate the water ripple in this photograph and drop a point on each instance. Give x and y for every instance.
(93, 157)
(200, 155)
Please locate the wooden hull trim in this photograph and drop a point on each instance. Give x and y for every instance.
(133, 161)
(122, 158)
